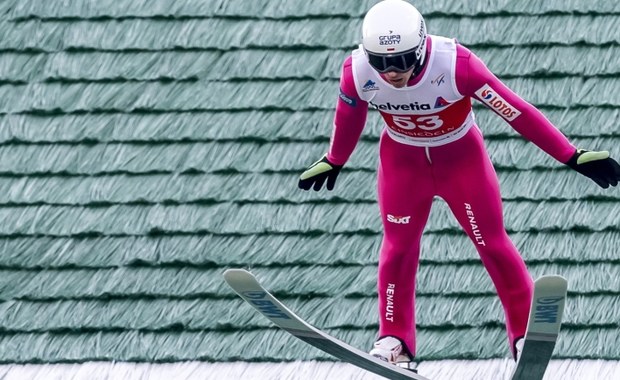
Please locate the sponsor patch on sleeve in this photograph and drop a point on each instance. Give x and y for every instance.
(497, 103)
(345, 98)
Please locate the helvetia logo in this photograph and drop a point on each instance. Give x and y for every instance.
(415, 106)
(497, 103)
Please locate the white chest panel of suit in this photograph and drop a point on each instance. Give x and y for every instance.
(430, 113)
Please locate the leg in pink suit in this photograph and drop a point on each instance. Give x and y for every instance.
(462, 174)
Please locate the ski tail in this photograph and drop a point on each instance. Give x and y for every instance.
(543, 327)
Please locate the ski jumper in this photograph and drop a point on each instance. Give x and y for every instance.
(431, 146)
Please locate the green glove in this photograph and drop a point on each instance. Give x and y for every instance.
(597, 166)
(317, 173)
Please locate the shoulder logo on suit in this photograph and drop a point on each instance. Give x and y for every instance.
(347, 99)
(494, 101)
(370, 86)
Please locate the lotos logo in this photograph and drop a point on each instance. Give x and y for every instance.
(497, 103)
(398, 219)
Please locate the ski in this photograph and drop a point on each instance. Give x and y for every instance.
(247, 287)
(543, 327)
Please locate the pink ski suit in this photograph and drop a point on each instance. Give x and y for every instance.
(431, 146)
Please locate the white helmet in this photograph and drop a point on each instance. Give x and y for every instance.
(394, 37)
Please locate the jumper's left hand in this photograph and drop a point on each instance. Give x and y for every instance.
(597, 166)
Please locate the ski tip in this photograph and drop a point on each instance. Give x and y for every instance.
(242, 282)
(554, 280)
(235, 273)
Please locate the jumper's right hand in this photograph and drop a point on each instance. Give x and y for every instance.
(316, 175)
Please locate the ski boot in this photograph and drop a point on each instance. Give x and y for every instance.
(392, 350)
